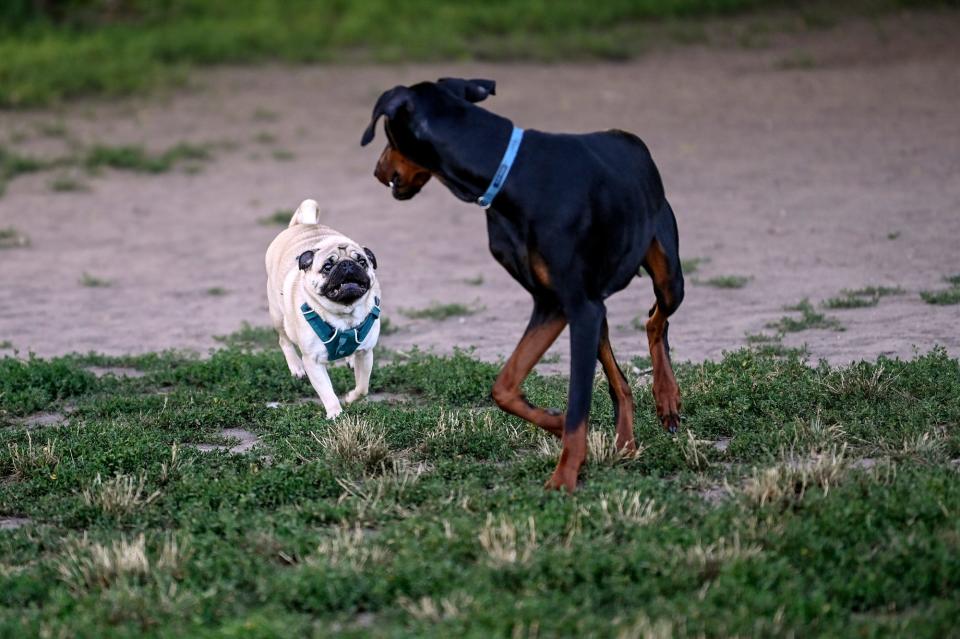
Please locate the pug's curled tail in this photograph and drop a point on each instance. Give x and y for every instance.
(307, 213)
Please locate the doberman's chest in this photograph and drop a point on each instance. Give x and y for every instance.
(514, 247)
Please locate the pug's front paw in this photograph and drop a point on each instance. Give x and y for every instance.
(353, 396)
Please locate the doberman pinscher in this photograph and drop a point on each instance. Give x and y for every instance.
(571, 217)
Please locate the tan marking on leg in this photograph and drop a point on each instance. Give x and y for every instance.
(539, 269)
(506, 390)
(622, 393)
(571, 459)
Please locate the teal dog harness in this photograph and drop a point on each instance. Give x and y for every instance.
(339, 343)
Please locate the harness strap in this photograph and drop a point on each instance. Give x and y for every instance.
(344, 346)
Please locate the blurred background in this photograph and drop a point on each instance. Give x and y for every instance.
(150, 150)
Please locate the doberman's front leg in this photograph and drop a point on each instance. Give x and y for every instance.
(585, 322)
(546, 323)
(620, 393)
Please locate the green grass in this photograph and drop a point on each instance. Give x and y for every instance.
(725, 281)
(439, 312)
(118, 48)
(832, 511)
(944, 297)
(12, 238)
(474, 281)
(5, 344)
(138, 159)
(91, 281)
(283, 155)
(67, 184)
(861, 297)
(216, 291)
(124, 157)
(809, 319)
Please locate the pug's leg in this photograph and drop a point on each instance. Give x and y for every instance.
(294, 363)
(362, 366)
(321, 383)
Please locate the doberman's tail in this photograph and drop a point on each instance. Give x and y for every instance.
(307, 213)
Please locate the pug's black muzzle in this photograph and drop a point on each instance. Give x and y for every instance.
(347, 282)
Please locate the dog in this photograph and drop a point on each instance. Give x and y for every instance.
(573, 218)
(324, 297)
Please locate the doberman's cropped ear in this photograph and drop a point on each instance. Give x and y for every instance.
(390, 103)
(470, 90)
(371, 257)
(305, 260)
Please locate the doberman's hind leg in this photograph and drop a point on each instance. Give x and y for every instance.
(585, 319)
(546, 324)
(663, 264)
(620, 393)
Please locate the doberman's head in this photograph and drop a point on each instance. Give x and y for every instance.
(413, 127)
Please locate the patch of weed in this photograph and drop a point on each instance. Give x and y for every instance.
(138, 159)
(91, 281)
(725, 281)
(862, 297)
(280, 217)
(67, 184)
(809, 319)
(799, 60)
(12, 238)
(944, 297)
(440, 312)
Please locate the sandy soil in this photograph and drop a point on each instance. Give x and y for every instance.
(794, 164)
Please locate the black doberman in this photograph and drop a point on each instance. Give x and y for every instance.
(577, 217)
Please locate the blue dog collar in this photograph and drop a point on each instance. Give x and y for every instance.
(340, 344)
(504, 170)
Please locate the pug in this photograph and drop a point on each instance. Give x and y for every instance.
(324, 296)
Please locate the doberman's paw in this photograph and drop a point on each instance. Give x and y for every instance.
(671, 423)
(562, 479)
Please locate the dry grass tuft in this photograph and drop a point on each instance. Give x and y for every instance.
(506, 543)
(352, 441)
(175, 466)
(711, 558)
(642, 627)
(118, 496)
(790, 479)
(627, 507)
(346, 547)
(27, 459)
(602, 449)
(89, 566)
(694, 451)
(931, 446)
(377, 496)
(436, 610)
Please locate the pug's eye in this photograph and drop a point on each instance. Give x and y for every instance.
(362, 262)
(327, 266)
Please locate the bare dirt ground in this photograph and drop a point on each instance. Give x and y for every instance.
(827, 160)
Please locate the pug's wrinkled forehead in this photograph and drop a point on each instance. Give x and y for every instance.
(327, 257)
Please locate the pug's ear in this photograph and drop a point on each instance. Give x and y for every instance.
(396, 100)
(371, 257)
(476, 90)
(305, 260)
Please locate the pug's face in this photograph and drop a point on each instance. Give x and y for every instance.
(342, 274)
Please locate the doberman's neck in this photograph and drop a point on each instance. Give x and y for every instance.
(468, 162)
